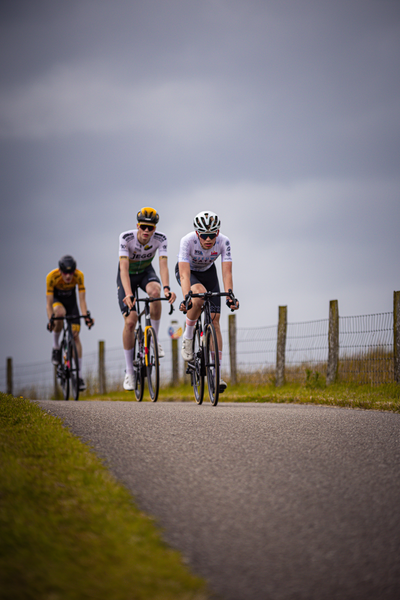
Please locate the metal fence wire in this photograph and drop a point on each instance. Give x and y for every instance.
(365, 357)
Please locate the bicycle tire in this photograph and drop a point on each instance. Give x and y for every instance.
(153, 364)
(63, 369)
(212, 364)
(197, 373)
(138, 367)
(73, 369)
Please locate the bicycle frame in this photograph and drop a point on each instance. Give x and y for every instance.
(208, 344)
(68, 369)
(145, 359)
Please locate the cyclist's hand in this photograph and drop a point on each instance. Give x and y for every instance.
(89, 322)
(50, 324)
(129, 301)
(186, 304)
(232, 302)
(171, 297)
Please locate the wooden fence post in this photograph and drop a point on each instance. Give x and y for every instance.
(102, 368)
(333, 343)
(232, 348)
(281, 346)
(396, 335)
(9, 376)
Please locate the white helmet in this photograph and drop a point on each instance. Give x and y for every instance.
(206, 222)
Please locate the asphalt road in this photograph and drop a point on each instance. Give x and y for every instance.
(266, 501)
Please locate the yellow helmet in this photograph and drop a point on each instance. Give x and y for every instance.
(148, 215)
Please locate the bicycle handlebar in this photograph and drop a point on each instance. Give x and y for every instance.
(148, 300)
(208, 295)
(72, 317)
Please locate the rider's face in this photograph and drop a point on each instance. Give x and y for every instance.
(67, 277)
(208, 242)
(145, 232)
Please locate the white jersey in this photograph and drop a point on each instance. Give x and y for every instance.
(191, 251)
(140, 256)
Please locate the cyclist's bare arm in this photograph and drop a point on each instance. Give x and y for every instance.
(126, 282)
(83, 307)
(227, 279)
(49, 305)
(184, 275)
(164, 274)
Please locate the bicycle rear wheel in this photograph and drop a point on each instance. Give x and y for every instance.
(138, 367)
(153, 365)
(198, 359)
(62, 370)
(74, 369)
(212, 364)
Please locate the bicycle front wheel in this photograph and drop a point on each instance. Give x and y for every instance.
(153, 365)
(138, 368)
(198, 359)
(74, 369)
(63, 371)
(212, 364)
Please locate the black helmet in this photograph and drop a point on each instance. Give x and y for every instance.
(67, 264)
(148, 215)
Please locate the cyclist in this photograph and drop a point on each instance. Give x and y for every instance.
(137, 248)
(196, 271)
(61, 301)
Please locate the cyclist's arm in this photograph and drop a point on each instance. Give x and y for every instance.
(164, 274)
(228, 279)
(226, 268)
(184, 275)
(124, 270)
(49, 305)
(82, 302)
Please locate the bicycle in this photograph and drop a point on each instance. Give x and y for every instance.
(145, 351)
(68, 369)
(205, 349)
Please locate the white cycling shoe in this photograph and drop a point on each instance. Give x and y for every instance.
(129, 383)
(222, 386)
(161, 352)
(187, 349)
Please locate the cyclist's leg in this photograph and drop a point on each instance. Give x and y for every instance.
(152, 286)
(59, 311)
(128, 332)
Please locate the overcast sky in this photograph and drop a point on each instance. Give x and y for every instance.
(283, 116)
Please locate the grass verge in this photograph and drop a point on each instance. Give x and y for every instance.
(69, 531)
(383, 397)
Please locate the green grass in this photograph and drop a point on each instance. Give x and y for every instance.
(314, 391)
(68, 529)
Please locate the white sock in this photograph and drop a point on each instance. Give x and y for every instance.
(156, 325)
(80, 365)
(129, 361)
(56, 339)
(189, 331)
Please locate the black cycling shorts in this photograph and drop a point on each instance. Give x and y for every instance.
(68, 300)
(209, 279)
(137, 280)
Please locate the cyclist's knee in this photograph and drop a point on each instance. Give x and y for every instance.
(130, 321)
(153, 289)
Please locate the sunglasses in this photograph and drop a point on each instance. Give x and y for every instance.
(149, 227)
(204, 236)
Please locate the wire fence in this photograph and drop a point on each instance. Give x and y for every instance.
(365, 356)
